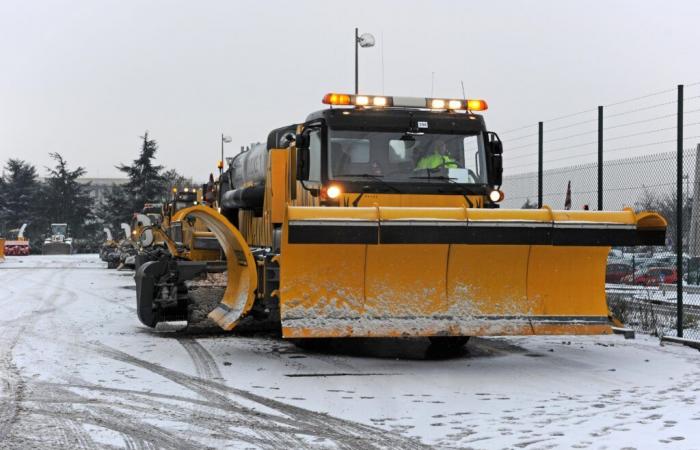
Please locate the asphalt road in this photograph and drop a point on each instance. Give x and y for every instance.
(78, 371)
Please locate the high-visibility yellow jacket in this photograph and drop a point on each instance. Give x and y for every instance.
(436, 161)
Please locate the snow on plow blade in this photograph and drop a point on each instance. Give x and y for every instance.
(396, 271)
(240, 266)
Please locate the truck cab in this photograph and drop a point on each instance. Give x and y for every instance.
(351, 156)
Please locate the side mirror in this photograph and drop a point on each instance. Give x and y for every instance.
(303, 156)
(303, 163)
(497, 147)
(494, 158)
(302, 140)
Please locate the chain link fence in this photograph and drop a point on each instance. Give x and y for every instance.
(639, 142)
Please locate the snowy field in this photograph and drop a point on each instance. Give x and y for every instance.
(77, 370)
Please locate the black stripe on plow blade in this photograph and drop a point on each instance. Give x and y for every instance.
(459, 232)
(336, 232)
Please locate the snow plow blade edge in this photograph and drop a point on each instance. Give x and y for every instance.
(240, 265)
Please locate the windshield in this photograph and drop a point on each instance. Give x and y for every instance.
(59, 228)
(398, 156)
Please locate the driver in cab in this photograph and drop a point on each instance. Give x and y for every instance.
(437, 159)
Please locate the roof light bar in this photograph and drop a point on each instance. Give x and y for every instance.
(380, 101)
(477, 105)
(437, 103)
(361, 100)
(337, 99)
(356, 100)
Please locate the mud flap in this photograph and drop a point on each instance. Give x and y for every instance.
(388, 271)
(240, 265)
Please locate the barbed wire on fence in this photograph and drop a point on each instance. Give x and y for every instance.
(642, 97)
(610, 150)
(609, 105)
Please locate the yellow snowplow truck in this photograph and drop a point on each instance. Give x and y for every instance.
(175, 235)
(379, 217)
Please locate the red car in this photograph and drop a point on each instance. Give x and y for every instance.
(615, 272)
(653, 276)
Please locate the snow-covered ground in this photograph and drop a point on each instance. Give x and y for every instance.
(77, 370)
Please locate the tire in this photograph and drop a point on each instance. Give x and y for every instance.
(448, 342)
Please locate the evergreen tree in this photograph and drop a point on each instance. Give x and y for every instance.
(4, 209)
(116, 209)
(19, 195)
(146, 183)
(66, 200)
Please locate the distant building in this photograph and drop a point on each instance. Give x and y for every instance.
(98, 188)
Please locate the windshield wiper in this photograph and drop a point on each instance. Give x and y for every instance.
(436, 177)
(372, 177)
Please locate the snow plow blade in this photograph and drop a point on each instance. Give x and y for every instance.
(240, 266)
(56, 248)
(400, 271)
(2, 249)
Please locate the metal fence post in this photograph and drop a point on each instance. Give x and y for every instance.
(540, 147)
(600, 158)
(679, 215)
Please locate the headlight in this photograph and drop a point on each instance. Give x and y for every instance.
(496, 196)
(333, 192)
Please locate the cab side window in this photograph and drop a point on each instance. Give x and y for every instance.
(315, 155)
(472, 155)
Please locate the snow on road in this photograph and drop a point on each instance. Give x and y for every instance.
(77, 370)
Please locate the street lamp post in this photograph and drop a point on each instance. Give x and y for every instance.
(224, 140)
(365, 40)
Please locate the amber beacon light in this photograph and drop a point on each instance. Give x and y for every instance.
(381, 101)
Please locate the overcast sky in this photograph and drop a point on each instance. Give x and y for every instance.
(86, 78)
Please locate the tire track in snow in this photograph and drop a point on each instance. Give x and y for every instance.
(44, 293)
(55, 417)
(344, 433)
(204, 363)
(74, 435)
(134, 415)
(13, 384)
(287, 426)
(12, 389)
